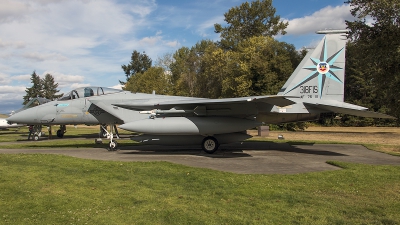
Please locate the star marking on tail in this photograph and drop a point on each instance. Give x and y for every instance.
(322, 69)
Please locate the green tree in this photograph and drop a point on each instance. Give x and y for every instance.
(154, 79)
(188, 69)
(180, 72)
(377, 54)
(259, 66)
(50, 88)
(248, 20)
(36, 90)
(165, 61)
(139, 63)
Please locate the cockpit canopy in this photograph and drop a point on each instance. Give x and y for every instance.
(32, 103)
(84, 92)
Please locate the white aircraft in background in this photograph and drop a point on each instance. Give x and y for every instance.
(5, 125)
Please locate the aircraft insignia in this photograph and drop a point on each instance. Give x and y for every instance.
(323, 67)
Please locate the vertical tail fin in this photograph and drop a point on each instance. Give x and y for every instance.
(320, 75)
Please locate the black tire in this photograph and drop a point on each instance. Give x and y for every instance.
(210, 145)
(113, 145)
(60, 134)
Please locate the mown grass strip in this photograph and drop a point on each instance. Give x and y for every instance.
(51, 189)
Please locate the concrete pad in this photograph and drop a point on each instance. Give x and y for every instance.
(246, 158)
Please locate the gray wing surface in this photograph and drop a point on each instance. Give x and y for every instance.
(280, 101)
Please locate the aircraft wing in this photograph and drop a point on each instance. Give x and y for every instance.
(192, 103)
(349, 109)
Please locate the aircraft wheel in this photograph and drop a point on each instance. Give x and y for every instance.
(210, 145)
(60, 134)
(35, 137)
(113, 145)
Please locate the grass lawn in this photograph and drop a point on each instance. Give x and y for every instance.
(383, 139)
(51, 189)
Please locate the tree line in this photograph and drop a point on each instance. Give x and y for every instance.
(249, 61)
(246, 61)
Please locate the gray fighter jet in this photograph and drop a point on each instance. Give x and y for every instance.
(315, 87)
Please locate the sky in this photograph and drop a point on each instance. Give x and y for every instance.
(85, 42)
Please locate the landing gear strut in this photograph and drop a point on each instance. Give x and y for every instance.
(113, 145)
(103, 131)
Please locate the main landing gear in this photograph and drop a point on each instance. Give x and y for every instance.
(210, 145)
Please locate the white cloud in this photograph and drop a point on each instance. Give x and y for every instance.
(153, 45)
(4, 79)
(143, 7)
(12, 44)
(206, 28)
(26, 77)
(69, 27)
(172, 44)
(78, 85)
(11, 100)
(118, 86)
(65, 80)
(150, 41)
(36, 56)
(326, 18)
(12, 89)
(12, 10)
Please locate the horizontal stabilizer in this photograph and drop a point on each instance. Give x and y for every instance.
(346, 108)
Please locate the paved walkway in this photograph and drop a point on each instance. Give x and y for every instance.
(246, 158)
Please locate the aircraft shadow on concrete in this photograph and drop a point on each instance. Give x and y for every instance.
(179, 150)
(225, 151)
(288, 147)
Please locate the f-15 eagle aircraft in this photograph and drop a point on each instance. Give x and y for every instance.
(315, 87)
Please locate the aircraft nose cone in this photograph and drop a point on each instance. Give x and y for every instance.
(23, 117)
